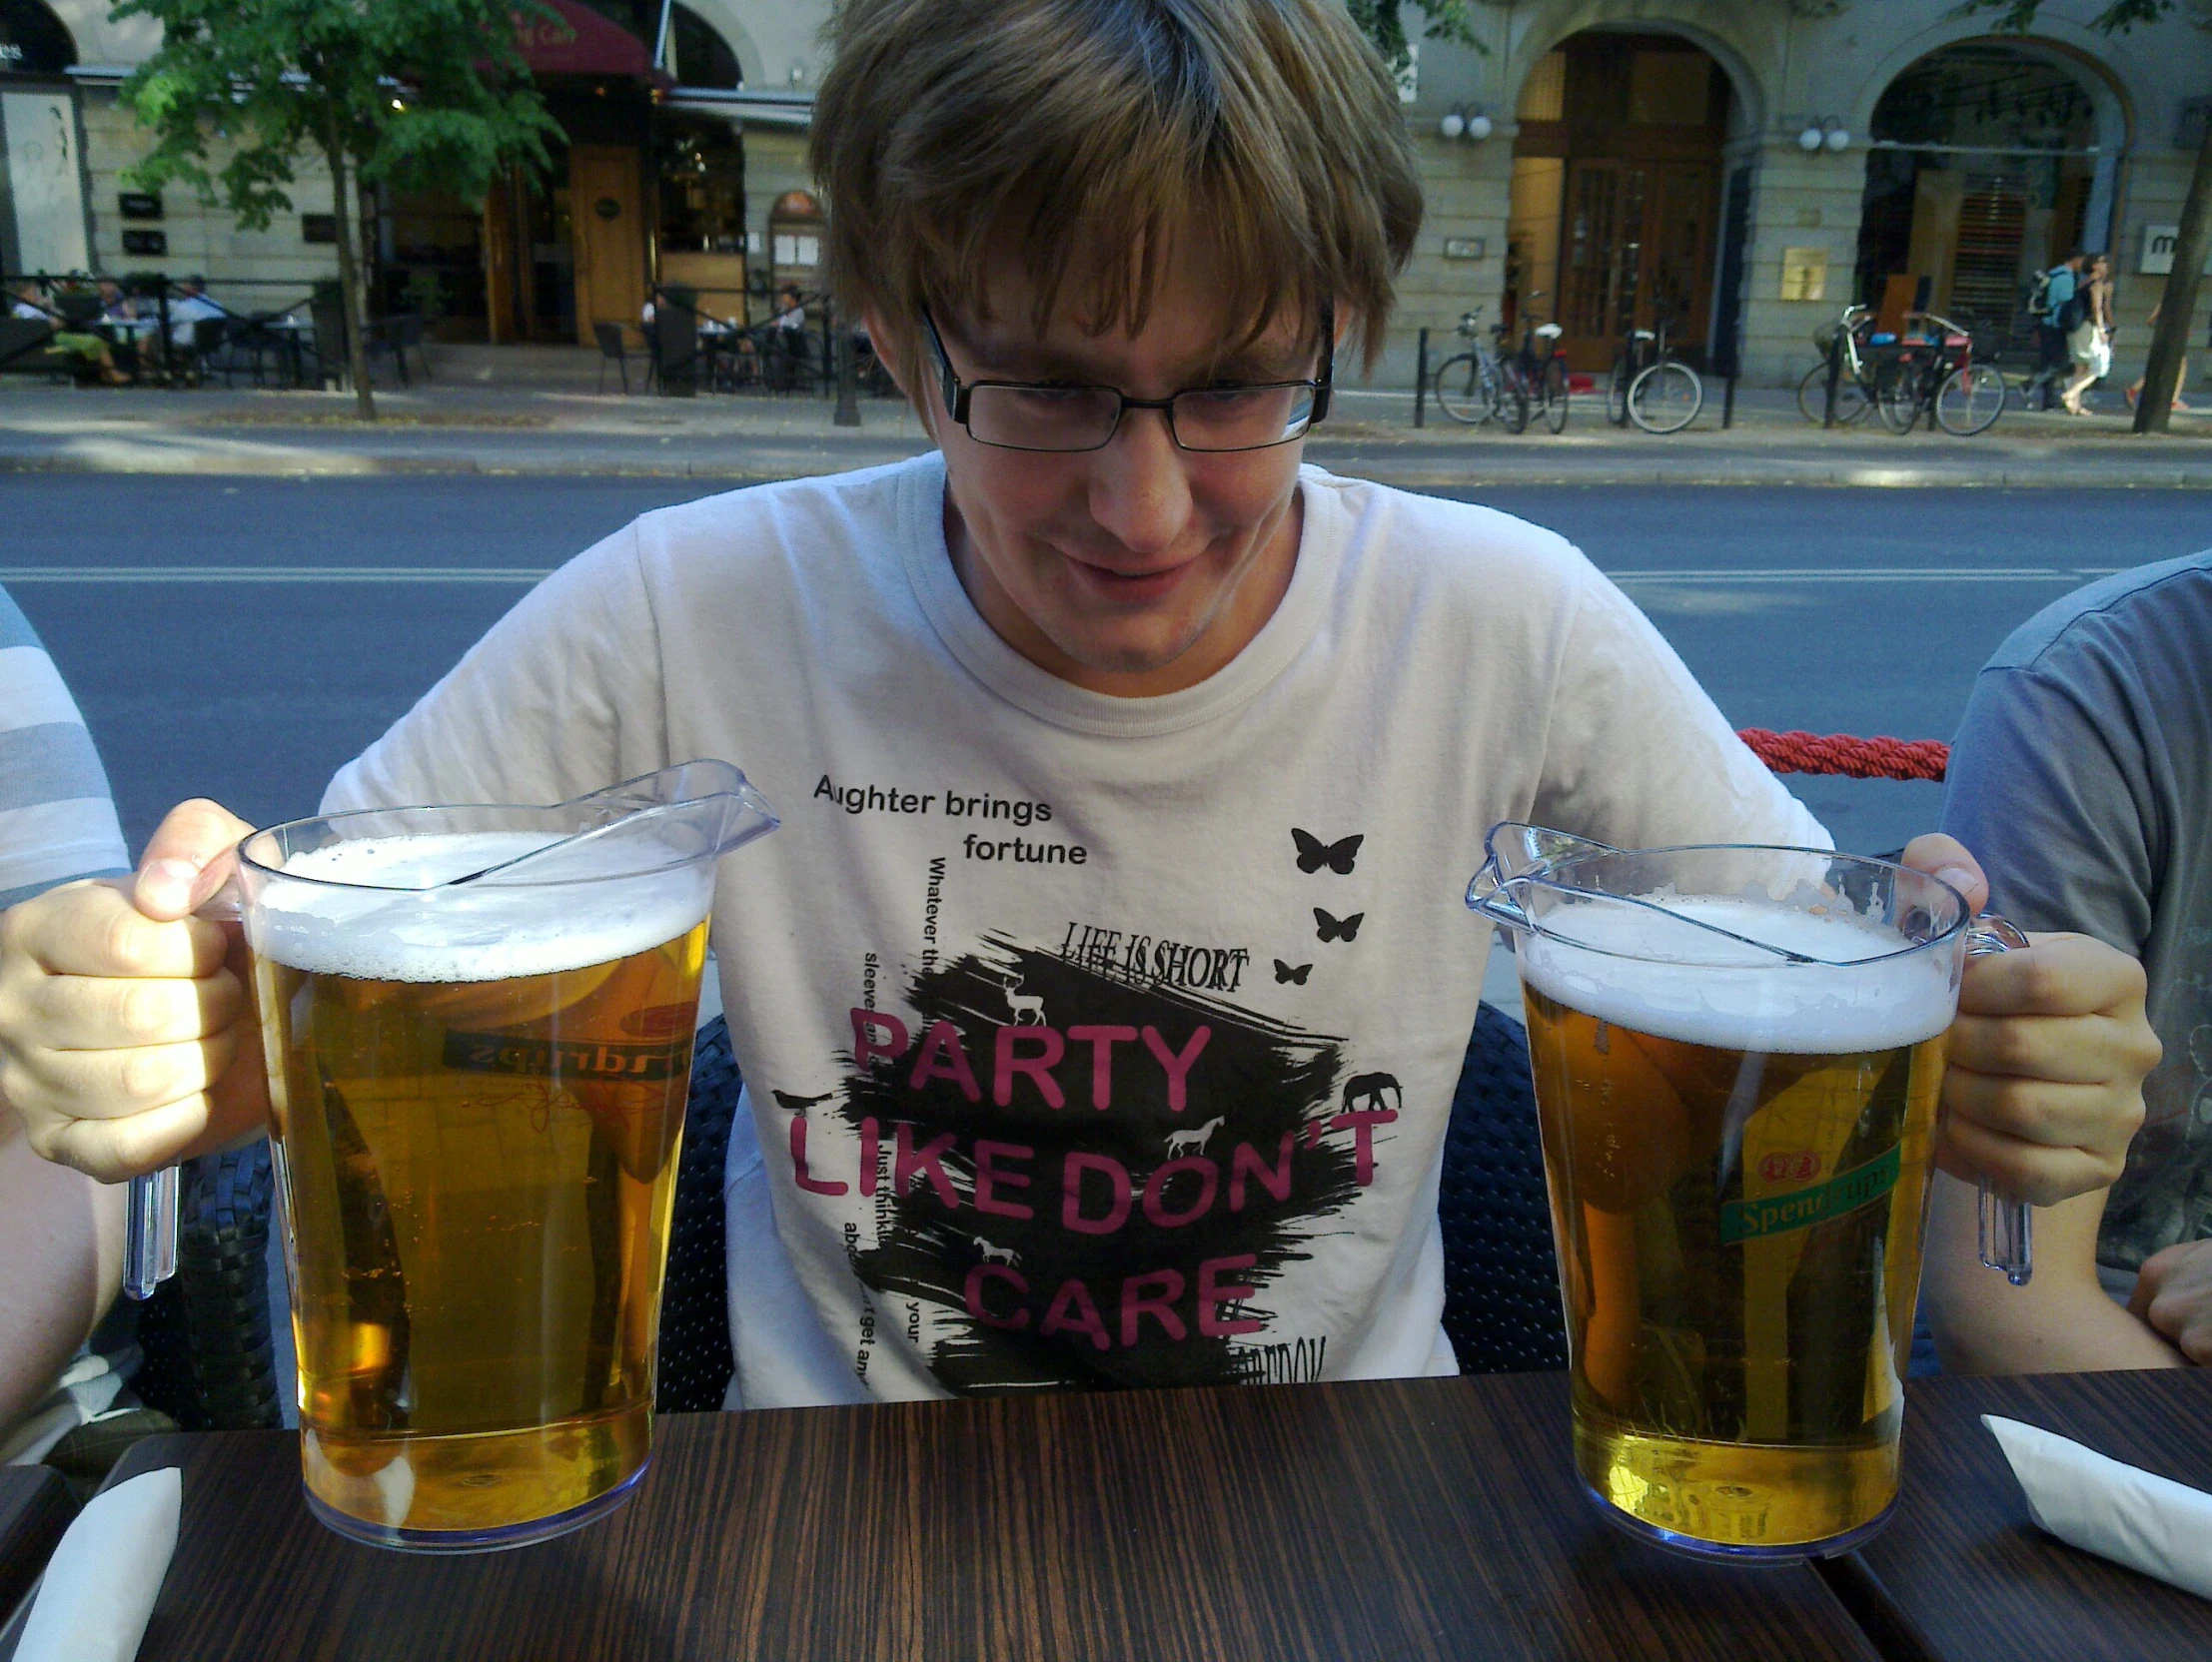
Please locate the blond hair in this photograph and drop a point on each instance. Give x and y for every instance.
(1091, 138)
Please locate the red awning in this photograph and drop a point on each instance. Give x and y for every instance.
(579, 41)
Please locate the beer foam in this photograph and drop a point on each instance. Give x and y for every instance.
(386, 923)
(1736, 997)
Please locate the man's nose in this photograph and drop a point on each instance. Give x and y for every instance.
(1139, 490)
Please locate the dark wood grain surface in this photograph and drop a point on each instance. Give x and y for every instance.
(1966, 1567)
(35, 1507)
(1399, 1520)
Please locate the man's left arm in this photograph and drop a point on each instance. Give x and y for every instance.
(2044, 1088)
(2173, 1293)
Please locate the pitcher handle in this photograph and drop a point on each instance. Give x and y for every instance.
(2004, 1229)
(150, 1211)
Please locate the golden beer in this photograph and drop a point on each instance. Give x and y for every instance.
(1738, 1161)
(477, 1131)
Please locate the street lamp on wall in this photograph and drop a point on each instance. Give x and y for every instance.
(1824, 133)
(1465, 121)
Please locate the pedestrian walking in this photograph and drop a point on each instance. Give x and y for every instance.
(2059, 307)
(2180, 380)
(2090, 343)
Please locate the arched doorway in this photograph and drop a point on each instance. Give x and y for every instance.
(1617, 184)
(1987, 161)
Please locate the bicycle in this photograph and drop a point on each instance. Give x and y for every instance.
(1467, 384)
(1534, 383)
(1854, 386)
(1652, 389)
(1933, 370)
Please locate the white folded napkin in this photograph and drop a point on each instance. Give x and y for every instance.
(99, 1587)
(2120, 1512)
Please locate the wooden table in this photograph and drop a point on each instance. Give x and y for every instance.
(1965, 1569)
(35, 1507)
(1398, 1519)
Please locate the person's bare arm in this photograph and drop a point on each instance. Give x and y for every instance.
(2062, 1321)
(2174, 1295)
(61, 1257)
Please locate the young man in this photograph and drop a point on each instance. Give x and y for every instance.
(1101, 1001)
(2083, 771)
(2062, 311)
(61, 1235)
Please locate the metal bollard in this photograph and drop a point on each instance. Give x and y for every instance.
(1421, 380)
(1835, 374)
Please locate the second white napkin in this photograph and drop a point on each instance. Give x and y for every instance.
(2117, 1511)
(99, 1587)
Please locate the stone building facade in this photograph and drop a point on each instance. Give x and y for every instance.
(1745, 168)
(1844, 143)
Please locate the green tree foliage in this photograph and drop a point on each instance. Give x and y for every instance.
(2177, 306)
(397, 93)
(1380, 21)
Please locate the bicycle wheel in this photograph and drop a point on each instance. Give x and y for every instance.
(1665, 398)
(1970, 400)
(1513, 403)
(1554, 394)
(1813, 393)
(1617, 391)
(1899, 397)
(1467, 394)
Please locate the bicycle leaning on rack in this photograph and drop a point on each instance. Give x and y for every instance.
(1469, 384)
(1933, 369)
(1534, 379)
(1930, 369)
(1651, 387)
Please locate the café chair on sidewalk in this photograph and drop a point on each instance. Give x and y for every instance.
(612, 351)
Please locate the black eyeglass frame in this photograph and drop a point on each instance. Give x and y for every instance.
(955, 393)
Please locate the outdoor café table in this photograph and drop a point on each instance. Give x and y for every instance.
(1398, 1519)
(1967, 1572)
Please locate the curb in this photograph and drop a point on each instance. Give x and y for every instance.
(1386, 465)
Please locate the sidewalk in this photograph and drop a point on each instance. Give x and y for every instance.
(533, 410)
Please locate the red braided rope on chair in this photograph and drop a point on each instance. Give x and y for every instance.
(1882, 758)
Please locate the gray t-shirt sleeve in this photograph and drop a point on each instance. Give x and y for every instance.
(2056, 818)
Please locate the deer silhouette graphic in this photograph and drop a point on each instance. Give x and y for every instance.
(1026, 1009)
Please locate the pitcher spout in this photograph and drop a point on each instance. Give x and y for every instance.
(1516, 855)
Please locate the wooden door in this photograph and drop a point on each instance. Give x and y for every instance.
(606, 210)
(1637, 237)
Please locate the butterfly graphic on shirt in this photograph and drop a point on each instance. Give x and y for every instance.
(1329, 928)
(1285, 972)
(1313, 853)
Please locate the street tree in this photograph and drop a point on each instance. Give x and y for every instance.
(2170, 335)
(395, 93)
(1380, 21)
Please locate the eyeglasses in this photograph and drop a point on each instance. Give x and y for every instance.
(1019, 416)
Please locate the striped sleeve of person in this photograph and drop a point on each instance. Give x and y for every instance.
(56, 820)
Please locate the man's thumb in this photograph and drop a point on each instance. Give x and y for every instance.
(188, 858)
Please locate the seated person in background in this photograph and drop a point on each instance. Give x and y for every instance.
(61, 1233)
(2083, 775)
(791, 310)
(77, 343)
(1132, 703)
(188, 305)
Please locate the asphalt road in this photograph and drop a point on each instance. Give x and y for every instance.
(241, 638)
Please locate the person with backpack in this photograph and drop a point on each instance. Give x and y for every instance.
(2058, 304)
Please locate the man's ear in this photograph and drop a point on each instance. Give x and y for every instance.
(891, 347)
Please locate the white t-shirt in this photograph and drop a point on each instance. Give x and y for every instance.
(1117, 1036)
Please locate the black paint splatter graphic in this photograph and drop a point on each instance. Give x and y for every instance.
(1095, 1185)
